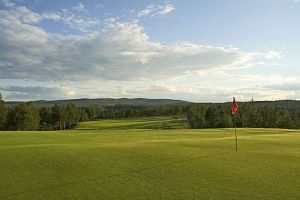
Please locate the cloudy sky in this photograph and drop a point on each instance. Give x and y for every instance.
(196, 50)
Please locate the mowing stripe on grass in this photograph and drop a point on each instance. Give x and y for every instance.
(117, 175)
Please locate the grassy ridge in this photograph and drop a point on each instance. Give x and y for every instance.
(126, 159)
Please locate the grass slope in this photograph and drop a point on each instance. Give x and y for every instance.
(140, 159)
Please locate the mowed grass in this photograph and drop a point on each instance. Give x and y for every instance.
(149, 158)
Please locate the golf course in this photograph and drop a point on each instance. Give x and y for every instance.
(149, 158)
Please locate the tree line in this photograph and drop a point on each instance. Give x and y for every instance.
(27, 116)
(127, 111)
(249, 115)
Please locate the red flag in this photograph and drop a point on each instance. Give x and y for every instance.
(234, 107)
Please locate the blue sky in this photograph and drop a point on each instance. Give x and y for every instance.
(202, 51)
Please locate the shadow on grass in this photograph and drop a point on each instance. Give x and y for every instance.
(131, 172)
(152, 124)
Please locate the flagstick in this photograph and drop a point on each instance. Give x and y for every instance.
(236, 145)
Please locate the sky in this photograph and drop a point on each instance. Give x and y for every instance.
(196, 50)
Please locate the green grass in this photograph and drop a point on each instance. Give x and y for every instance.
(139, 123)
(149, 159)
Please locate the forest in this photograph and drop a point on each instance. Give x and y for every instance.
(249, 115)
(28, 116)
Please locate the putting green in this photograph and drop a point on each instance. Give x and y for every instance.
(149, 158)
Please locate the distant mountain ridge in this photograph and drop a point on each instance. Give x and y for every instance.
(106, 102)
(85, 102)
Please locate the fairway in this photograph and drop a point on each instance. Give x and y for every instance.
(149, 158)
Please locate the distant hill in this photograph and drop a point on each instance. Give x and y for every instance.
(106, 102)
(290, 104)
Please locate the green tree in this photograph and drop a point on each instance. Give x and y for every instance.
(270, 117)
(72, 115)
(58, 117)
(285, 120)
(196, 116)
(45, 122)
(212, 117)
(225, 120)
(256, 118)
(2, 113)
(251, 115)
(24, 117)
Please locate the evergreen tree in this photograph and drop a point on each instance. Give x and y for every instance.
(196, 117)
(2, 113)
(23, 117)
(45, 122)
(270, 117)
(255, 117)
(225, 120)
(72, 115)
(58, 117)
(285, 120)
(212, 117)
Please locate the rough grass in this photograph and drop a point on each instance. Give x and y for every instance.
(149, 159)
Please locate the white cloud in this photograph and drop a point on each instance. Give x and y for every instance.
(21, 43)
(122, 53)
(156, 10)
(22, 14)
(14, 92)
(167, 9)
(118, 51)
(211, 92)
(8, 3)
(78, 22)
(52, 16)
(273, 55)
(79, 7)
(99, 5)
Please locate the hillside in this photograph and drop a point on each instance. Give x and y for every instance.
(85, 102)
(106, 102)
